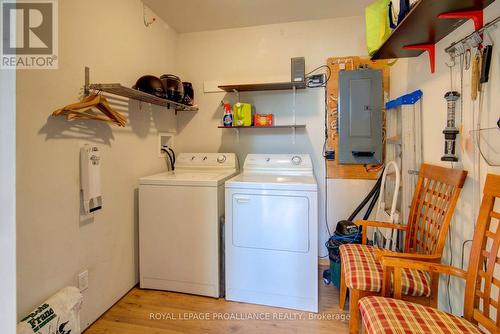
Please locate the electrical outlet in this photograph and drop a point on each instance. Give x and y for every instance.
(83, 280)
(165, 138)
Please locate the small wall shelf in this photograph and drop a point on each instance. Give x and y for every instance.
(119, 90)
(265, 127)
(293, 86)
(263, 86)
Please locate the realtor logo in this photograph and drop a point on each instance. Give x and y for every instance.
(29, 34)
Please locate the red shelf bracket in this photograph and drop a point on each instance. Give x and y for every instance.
(426, 47)
(474, 15)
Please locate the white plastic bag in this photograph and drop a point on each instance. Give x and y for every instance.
(60, 314)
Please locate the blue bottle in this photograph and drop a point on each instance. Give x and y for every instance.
(227, 120)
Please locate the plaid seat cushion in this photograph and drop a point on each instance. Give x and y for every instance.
(363, 272)
(390, 316)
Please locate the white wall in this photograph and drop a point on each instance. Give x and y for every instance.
(414, 73)
(54, 242)
(262, 54)
(8, 200)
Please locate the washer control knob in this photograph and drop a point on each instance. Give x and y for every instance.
(221, 159)
(296, 160)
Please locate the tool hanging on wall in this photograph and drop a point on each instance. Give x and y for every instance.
(466, 45)
(475, 76)
(451, 131)
(485, 64)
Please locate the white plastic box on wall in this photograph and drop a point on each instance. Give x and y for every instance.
(165, 138)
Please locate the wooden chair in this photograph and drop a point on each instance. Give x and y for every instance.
(432, 207)
(482, 284)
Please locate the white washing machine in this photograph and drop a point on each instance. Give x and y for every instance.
(179, 224)
(272, 233)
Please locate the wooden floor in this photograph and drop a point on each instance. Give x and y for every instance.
(171, 313)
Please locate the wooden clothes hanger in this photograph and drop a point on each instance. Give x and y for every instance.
(82, 110)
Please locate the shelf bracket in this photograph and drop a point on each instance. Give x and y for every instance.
(294, 113)
(86, 88)
(475, 15)
(431, 50)
(237, 94)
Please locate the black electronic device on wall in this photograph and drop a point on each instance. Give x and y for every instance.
(298, 69)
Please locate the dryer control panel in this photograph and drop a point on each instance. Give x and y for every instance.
(278, 162)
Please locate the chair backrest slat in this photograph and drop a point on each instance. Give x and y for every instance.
(481, 301)
(434, 200)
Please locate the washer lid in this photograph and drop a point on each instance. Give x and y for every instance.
(190, 177)
(272, 181)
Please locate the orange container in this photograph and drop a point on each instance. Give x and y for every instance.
(263, 120)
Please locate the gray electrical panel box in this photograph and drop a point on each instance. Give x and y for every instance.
(360, 117)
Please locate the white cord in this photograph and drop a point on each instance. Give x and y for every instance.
(475, 162)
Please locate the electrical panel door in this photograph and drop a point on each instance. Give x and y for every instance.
(360, 117)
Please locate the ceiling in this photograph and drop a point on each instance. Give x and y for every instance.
(200, 15)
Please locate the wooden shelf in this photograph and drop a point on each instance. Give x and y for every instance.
(291, 126)
(422, 26)
(118, 89)
(263, 86)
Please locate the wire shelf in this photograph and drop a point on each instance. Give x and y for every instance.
(118, 89)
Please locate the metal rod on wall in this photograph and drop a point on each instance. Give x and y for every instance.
(472, 35)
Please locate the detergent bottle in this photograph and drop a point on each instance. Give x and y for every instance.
(242, 114)
(227, 119)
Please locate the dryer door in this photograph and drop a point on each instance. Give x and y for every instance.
(271, 222)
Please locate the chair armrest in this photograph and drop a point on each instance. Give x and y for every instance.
(374, 223)
(381, 253)
(399, 263)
